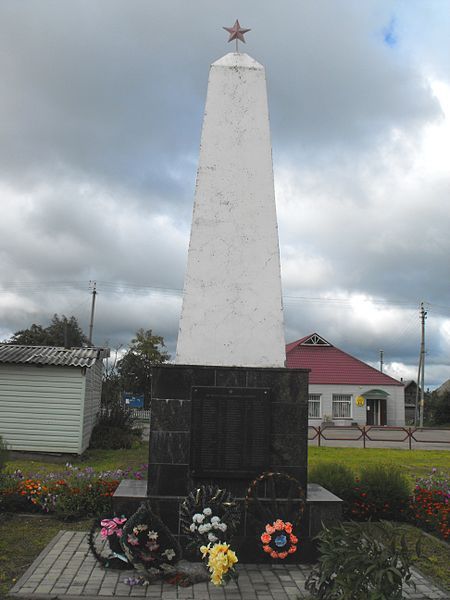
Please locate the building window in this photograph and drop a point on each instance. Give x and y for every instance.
(342, 406)
(314, 406)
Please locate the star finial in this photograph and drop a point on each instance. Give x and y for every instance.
(236, 33)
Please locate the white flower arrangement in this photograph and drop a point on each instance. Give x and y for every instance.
(207, 524)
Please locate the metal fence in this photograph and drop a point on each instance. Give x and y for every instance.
(364, 434)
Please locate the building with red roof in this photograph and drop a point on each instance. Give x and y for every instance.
(342, 388)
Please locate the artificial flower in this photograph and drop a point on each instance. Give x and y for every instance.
(169, 553)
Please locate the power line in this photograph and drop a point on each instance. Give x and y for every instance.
(122, 287)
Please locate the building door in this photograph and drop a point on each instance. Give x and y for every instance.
(383, 411)
(372, 411)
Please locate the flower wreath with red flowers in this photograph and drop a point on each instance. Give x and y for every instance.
(278, 540)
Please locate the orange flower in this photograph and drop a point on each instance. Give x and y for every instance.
(292, 549)
(288, 527)
(273, 554)
(279, 525)
(282, 554)
(267, 549)
(293, 538)
(270, 529)
(265, 538)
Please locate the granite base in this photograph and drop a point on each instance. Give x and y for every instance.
(322, 507)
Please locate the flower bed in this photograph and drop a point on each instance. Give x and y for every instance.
(69, 493)
(430, 504)
(383, 493)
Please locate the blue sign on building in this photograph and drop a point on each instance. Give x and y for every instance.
(133, 400)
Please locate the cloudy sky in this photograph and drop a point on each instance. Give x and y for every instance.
(100, 118)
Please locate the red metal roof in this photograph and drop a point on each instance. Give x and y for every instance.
(329, 365)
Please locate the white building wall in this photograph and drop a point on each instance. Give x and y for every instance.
(40, 408)
(395, 403)
(92, 400)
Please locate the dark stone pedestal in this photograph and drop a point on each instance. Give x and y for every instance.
(175, 426)
(226, 426)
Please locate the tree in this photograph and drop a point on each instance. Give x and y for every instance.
(437, 408)
(62, 331)
(145, 351)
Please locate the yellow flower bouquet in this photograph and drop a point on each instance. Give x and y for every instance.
(221, 561)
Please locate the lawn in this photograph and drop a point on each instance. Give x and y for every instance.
(100, 460)
(22, 538)
(413, 463)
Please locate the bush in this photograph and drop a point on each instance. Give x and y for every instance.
(381, 492)
(356, 565)
(111, 438)
(3, 454)
(11, 499)
(430, 504)
(336, 478)
(115, 428)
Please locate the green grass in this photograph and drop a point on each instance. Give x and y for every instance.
(22, 538)
(414, 463)
(434, 557)
(100, 460)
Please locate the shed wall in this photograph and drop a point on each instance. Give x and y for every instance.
(93, 392)
(40, 408)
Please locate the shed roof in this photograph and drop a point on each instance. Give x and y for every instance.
(329, 365)
(51, 355)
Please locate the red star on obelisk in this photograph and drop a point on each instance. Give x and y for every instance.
(236, 33)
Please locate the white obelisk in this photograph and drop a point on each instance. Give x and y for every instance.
(232, 311)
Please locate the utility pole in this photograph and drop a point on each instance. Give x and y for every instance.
(423, 316)
(381, 360)
(91, 323)
(419, 370)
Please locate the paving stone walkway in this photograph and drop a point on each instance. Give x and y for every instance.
(67, 570)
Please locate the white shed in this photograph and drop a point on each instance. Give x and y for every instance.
(49, 397)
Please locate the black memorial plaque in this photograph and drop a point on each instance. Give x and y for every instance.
(230, 431)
